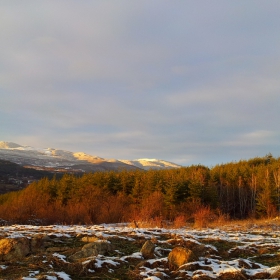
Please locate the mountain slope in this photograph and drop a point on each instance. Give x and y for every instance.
(53, 159)
(8, 145)
(146, 163)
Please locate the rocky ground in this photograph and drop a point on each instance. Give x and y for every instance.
(123, 252)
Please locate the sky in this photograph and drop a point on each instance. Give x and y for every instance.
(191, 82)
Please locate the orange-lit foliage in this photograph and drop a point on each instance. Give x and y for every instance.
(190, 194)
(202, 217)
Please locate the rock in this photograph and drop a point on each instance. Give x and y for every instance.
(237, 275)
(236, 252)
(57, 249)
(262, 275)
(159, 275)
(203, 250)
(179, 256)
(244, 264)
(190, 244)
(100, 247)
(38, 242)
(89, 239)
(177, 241)
(154, 264)
(148, 249)
(14, 248)
(193, 266)
(201, 276)
(180, 274)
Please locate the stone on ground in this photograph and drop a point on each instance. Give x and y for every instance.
(14, 248)
(148, 249)
(179, 256)
(101, 247)
(89, 239)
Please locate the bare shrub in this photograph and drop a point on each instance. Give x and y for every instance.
(152, 223)
(220, 219)
(179, 221)
(202, 217)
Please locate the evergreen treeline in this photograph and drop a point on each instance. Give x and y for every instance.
(248, 188)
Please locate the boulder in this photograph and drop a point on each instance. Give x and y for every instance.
(237, 275)
(179, 256)
(14, 248)
(100, 247)
(262, 275)
(89, 239)
(148, 249)
(38, 242)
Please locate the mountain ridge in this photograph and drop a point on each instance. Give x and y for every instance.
(56, 158)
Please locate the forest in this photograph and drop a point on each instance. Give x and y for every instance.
(235, 190)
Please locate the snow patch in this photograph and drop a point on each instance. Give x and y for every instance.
(63, 275)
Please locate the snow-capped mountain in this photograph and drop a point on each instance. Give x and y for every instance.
(146, 163)
(53, 159)
(8, 145)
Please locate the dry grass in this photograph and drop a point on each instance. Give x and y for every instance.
(248, 224)
(180, 221)
(206, 218)
(156, 222)
(202, 217)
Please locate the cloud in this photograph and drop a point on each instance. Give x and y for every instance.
(193, 82)
(254, 138)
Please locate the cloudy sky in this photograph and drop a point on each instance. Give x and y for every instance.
(185, 81)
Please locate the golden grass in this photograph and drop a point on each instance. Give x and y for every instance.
(248, 224)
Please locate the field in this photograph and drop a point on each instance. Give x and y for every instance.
(233, 251)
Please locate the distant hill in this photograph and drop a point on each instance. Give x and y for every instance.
(147, 164)
(55, 160)
(14, 177)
